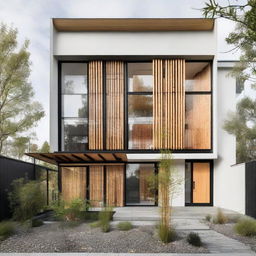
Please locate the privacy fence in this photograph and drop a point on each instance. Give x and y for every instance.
(12, 169)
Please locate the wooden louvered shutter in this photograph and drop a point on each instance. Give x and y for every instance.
(95, 105)
(115, 105)
(168, 104)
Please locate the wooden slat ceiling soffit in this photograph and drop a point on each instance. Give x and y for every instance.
(79, 158)
(137, 24)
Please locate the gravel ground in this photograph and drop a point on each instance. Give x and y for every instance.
(55, 237)
(228, 230)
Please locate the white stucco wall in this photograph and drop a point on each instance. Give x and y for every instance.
(229, 182)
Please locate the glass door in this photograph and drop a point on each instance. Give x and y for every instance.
(140, 185)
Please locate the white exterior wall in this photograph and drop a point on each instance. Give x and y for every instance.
(229, 181)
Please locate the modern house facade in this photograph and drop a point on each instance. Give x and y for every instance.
(123, 90)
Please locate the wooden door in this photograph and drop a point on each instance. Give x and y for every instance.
(201, 182)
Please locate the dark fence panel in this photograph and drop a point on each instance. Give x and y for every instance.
(250, 185)
(12, 169)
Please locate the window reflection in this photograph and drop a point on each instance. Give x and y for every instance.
(74, 107)
(140, 121)
(140, 77)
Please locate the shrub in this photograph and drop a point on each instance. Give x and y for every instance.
(124, 226)
(7, 228)
(194, 239)
(58, 208)
(208, 217)
(220, 217)
(26, 199)
(105, 217)
(95, 224)
(36, 223)
(246, 227)
(166, 234)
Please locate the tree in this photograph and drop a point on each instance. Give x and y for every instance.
(242, 123)
(45, 147)
(18, 111)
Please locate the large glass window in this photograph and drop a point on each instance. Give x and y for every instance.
(74, 107)
(140, 189)
(140, 105)
(198, 105)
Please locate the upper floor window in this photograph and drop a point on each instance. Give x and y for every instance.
(140, 105)
(198, 105)
(74, 115)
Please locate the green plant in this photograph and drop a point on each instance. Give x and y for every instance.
(7, 228)
(124, 226)
(26, 199)
(220, 217)
(194, 239)
(74, 209)
(166, 234)
(105, 217)
(58, 208)
(95, 224)
(36, 223)
(208, 217)
(246, 227)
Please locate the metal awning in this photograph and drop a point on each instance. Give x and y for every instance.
(80, 158)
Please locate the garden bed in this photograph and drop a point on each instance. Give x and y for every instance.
(228, 230)
(55, 237)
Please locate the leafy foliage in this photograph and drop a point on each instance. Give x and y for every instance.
(124, 226)
(246, 227)
(194, 239)
(243, 125)
(18, 112)
(36, 223)
(26, 199)
(208, 217)
(244, 39)
(7, 228)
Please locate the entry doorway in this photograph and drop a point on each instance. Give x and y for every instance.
(198, 183)
(140, 184)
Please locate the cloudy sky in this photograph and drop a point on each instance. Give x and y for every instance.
(32, 18)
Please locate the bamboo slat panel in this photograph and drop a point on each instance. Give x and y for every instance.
(115, 105)
(168, 104)
(96, 185)
(73, 181)
(201, 179)
(95, 105)
(115, 186)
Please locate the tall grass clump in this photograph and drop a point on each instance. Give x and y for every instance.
(246, 227)
(105, 217)
(220, 217)
(26, 199)
(7, 228)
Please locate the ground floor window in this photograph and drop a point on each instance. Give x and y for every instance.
(140, 189)
(198, 182)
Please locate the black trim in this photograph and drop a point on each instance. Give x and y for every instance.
(104, 185)
(47, 187)
(211, 182)
(126, 94)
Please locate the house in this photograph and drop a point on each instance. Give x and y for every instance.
(122, 90)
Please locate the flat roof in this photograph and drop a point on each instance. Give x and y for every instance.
(133, 24)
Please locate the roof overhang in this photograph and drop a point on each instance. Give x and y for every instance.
(133, 24)
(61, 158)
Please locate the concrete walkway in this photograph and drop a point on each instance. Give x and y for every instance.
(185, 220)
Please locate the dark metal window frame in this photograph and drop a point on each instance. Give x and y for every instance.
(126, 125)
(211, 182)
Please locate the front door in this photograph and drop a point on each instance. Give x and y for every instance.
(198, 183)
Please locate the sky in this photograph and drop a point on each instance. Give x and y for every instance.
(32, 19)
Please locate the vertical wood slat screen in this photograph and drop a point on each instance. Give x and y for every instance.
(73, 181)
(96, 186)
(95, 105)
(168, 104)
(115, 105)
(115, 185)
